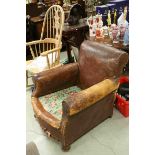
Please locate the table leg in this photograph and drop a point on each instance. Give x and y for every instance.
(70, 58)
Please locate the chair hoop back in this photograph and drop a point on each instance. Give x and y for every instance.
(53, 24)
(46, 51)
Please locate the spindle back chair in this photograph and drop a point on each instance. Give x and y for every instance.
(46, 51)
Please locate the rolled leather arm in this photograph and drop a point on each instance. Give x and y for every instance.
(55, 79)
(80, 101)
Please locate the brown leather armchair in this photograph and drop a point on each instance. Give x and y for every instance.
(91, 102)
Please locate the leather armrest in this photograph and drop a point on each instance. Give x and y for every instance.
(41, 113)
(55, 79)
(85, 98)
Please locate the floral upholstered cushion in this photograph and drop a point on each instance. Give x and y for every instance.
(53, 102)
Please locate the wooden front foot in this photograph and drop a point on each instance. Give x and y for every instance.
(35, 116)
(110, 116)
(66, 148)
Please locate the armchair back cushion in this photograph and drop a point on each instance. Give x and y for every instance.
(98, 62)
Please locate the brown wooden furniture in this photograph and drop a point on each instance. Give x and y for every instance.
(33, 10)
(96, 73)
(74, 36)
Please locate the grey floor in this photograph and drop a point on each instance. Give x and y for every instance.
(109, 138)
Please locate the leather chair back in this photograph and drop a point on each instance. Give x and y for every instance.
(98, 61)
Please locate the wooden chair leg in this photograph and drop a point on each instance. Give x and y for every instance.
(66, 148)
(35, 116)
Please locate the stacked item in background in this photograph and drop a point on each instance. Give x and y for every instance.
(116, 33)
(116, 8)
(111, 25)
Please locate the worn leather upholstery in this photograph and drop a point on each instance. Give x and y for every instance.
(96, 73)
(89, 96)
(98, 62)
(73, 127)
(55, 79)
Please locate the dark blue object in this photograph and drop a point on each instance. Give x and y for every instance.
(103, 9)
(111, 7)
(119, 5)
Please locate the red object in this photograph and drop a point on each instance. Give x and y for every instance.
(121, 104)
(123, 79)
(98, 33)
(91, 22)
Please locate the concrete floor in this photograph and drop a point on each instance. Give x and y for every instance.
(109, 138)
